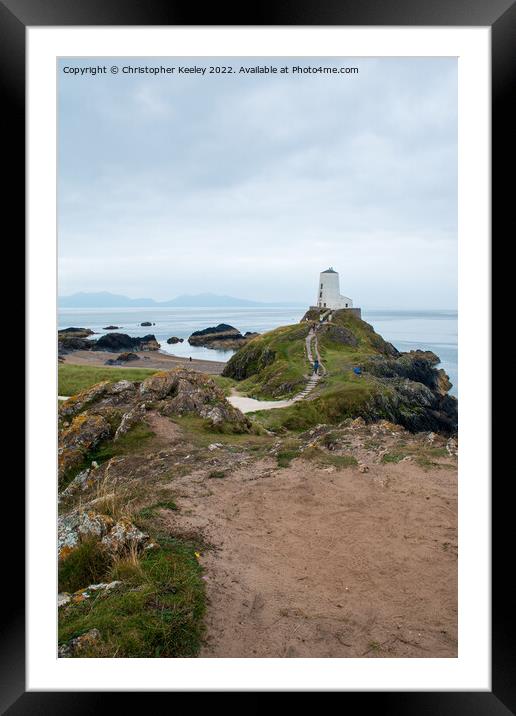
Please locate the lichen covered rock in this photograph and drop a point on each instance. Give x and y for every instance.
(116, 536)
(124, 537)
(184, 392)
(76, 441)
(79, 644)
(78, 525)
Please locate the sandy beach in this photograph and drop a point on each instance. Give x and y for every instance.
(150, 359)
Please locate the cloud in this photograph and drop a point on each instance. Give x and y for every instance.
(251, 186)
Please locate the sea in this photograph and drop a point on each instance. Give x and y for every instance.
(407, 330)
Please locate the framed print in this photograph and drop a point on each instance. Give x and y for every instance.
(258, 388)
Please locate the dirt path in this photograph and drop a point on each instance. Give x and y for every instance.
(251, 405)
(314, 562)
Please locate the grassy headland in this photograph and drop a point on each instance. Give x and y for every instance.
(403, 388)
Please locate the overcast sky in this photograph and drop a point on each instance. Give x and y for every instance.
(250, 185)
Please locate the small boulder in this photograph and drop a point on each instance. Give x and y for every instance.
(174, 339)
(79, 644)
(122, 358)
(124, 537)
(78, 525)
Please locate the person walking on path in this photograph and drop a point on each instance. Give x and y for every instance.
(316, 366)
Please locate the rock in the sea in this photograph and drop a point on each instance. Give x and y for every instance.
(76, 332)
(74, 339)
(110, 328)
(146, 323)
(174, 339)
(69, 342)
(221, 337)
(122, 342)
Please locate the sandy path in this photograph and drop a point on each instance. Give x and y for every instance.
(148, 359)
(250, 405)
(314, 562)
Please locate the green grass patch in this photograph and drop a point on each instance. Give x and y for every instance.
(285, 374)
(150, 511)
(323, 458)
(157, 613)
(395, 457)
(72, 379)
(285, 457)
(225, 384)
(331, 406)
(129, 443)
(87, 564)
(201, 434)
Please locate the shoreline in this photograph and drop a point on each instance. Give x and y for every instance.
(148, 359)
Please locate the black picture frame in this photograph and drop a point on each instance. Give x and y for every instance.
(500, 16)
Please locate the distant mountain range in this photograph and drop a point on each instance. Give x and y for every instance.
(104, 299)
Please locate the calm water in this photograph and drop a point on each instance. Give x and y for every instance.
(428, 330)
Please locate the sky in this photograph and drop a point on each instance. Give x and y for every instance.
(249, 185)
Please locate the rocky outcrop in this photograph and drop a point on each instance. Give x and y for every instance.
(107, 411)
(79, 525)
(147, 323)
(174, 339)
(221, 337)
(182, 391)
(122, 342)
(116, 536)
(339, 334)
(74, 339)
(84, 433)
(246, 363)
(414, 406)
(418, 366)
(366, 376)
(110, 328)
(75, 332)
(122, 359)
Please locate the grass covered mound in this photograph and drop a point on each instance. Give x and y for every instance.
(109, 418)
(365, 376)
(272, 365)
(154, 609)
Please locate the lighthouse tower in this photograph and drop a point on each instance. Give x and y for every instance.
(328, 293)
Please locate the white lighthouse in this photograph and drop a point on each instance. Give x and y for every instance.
(328, 292)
